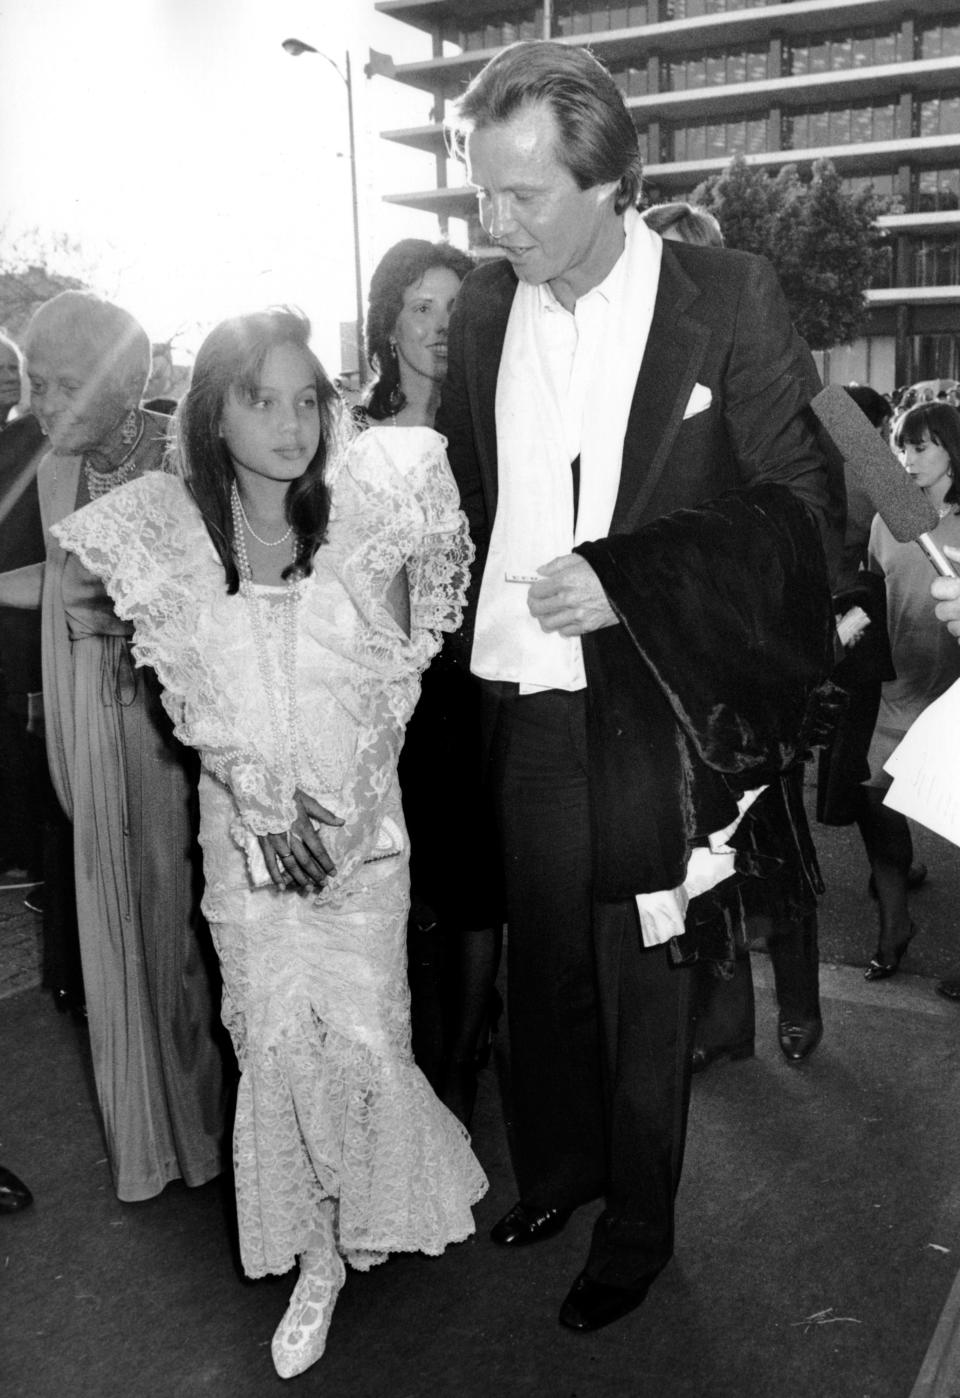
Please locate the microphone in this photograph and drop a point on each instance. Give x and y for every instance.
(899, 502)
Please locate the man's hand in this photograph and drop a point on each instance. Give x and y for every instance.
(947, 593)
(569, 599)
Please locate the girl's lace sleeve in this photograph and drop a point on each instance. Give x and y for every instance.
(147, 542)
(439, 571)
(408, 469)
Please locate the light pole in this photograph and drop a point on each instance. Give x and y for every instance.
(295, 47)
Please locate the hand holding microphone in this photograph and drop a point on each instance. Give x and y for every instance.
(946, 591)
(899, 502)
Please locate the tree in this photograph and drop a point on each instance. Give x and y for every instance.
(823, 242)
(830, 252)
(743, 201)
(32, 269)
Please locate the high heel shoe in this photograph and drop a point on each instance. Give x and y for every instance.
(881, 970)
(301, 1337)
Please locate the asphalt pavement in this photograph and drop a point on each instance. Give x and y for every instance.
(818, 1221)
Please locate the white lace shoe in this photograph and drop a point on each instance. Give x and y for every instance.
(301, 1336)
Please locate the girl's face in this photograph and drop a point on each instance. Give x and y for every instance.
(927, 462)
(420, 332)
(274, 433)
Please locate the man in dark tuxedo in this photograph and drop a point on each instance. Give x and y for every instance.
(600, 381)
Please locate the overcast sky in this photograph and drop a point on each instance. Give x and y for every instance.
(201, 168)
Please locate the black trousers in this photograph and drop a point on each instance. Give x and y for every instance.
(599, 1026)
(725, 1009)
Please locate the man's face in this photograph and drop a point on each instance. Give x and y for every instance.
(77, 406)
(530, 203)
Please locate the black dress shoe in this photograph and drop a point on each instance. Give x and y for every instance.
(590, 1305)
(14, 1194)
(950, 988)
(522, 1225)
(702, 1057)
(799, 1037)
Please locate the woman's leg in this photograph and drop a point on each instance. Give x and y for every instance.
(886, 835)
(425, 957)
(473, 996)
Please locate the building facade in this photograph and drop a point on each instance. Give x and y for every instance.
(873, 85)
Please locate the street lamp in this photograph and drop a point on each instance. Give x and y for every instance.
(295, 47)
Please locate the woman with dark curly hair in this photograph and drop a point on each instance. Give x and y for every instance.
(455, 930)
(411, 297)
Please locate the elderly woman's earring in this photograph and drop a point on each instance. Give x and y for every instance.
(393, 348)
(130, 428)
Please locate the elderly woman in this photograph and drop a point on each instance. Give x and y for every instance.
(119, 774)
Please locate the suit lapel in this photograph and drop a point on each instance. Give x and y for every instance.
(489, 327)
(675, 349)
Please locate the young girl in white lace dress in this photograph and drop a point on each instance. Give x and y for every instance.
(289, 585)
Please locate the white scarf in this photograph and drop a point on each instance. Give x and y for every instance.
(534, 521)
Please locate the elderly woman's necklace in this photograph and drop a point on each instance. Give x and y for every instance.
(131, 435)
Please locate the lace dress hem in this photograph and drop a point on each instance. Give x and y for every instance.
(321, 1115)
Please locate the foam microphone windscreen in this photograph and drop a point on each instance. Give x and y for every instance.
(895, 496)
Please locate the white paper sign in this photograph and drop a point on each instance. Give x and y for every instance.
(926, 768)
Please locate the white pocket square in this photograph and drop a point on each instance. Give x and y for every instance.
(700, 399)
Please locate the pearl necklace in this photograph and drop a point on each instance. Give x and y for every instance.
(99, 482)
(238, 504)
(282, 686)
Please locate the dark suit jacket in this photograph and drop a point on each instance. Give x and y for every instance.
(719, 320)
(22, 444)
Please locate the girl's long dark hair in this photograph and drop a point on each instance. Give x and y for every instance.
(232, 357)
(941, 422)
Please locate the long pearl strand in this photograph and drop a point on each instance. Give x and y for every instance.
(260, 611)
